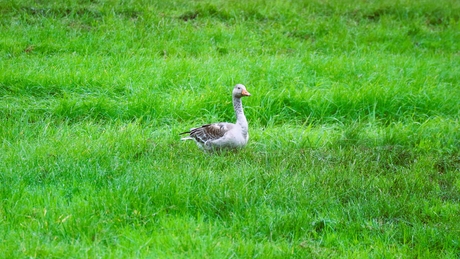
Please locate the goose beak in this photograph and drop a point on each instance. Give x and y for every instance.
(245, 93)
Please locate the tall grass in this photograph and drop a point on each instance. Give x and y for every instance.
(354, 149)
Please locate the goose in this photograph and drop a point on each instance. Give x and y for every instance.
(224, 135)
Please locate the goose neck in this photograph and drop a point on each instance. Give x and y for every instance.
(240, 118)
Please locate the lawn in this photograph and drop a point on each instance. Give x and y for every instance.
(354, 147)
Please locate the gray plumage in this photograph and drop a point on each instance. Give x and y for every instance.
(224, 135)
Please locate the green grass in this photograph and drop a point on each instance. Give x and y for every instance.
(354, 124)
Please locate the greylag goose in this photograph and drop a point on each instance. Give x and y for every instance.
(224, 135)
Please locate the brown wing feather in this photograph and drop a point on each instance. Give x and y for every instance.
(209, 132)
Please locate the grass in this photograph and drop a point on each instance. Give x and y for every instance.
(355, 136)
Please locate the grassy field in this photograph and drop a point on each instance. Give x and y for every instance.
(354, 124)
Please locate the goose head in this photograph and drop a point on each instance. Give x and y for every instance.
(240, 91)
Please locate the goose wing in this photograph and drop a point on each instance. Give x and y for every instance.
(209, 132)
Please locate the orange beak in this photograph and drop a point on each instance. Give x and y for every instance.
(245, 93)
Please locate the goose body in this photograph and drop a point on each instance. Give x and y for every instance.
(224, 135)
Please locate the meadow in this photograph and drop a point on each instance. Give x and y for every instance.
(354, 147)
